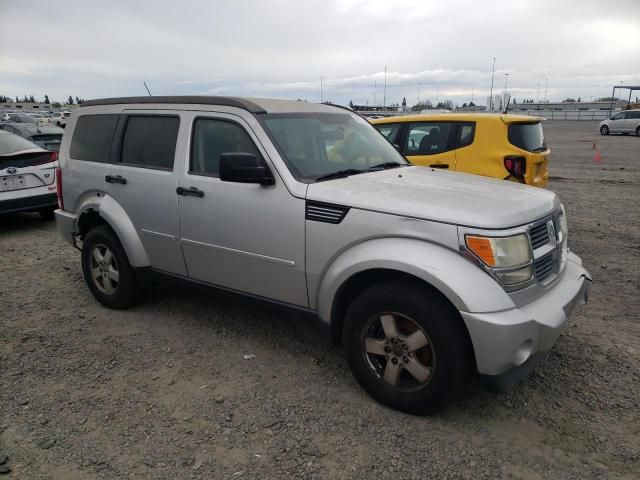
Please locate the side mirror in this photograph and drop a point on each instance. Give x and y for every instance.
(244, 168)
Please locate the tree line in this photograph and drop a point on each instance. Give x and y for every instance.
(31, 99)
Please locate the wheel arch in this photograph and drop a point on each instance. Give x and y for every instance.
(104, 210)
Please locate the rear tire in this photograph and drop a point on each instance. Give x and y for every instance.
(638, 131)
(604, 130)
(394, 372)
(107, 270)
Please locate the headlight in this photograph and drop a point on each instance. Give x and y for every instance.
(508, 257)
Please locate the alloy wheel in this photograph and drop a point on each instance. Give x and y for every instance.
(104, 269)
(398, 351)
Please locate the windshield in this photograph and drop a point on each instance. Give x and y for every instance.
(49, 142)
(527, 136)
(315, 145)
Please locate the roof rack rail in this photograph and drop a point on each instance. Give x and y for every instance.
(238, 102)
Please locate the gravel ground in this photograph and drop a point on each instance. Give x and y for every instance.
(163, 391)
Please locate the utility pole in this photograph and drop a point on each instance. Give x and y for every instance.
(471, 94)
(546, 89)
(375, 88)
(493, 69)
(320, 89)
(504, 94)
(538, 95)
(384, 101)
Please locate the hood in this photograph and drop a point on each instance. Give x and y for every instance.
(449, 197)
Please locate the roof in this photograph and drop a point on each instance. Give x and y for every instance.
(252, 105)
(460, 117)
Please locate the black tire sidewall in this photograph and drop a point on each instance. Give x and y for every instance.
(126, 292)
(604, 130)
(437, 318)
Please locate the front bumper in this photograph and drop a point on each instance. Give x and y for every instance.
(509, 344)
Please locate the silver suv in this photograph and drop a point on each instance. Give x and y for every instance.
(424, 276)
(623, 122)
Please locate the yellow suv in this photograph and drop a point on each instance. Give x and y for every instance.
(511, 147)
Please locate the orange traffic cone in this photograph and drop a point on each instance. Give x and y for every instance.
(597, 157)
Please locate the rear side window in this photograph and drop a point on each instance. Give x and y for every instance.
(150, 141)
(211, 138)
(428, 138)
(633, 114)
(92, 137)
(466, 132)
(527, 136)
(389, 131)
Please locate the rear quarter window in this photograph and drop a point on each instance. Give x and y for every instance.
(527, 136)
(92, 136)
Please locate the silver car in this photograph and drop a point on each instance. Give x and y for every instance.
(424, 276)
(623, 122)
(47, 137)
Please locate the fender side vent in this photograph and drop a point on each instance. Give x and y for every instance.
(325, 212)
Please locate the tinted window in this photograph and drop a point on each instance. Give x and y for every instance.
(92, 137)
(150, 141)
(427, 138)
(211, 138)
(527, 136)
(389, 131)
(633, 115)
(466, 132)
(619, 116)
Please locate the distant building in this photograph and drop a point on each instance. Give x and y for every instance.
(568, 106)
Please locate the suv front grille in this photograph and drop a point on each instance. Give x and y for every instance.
(539, 235)
(548, 246)
(543, 267)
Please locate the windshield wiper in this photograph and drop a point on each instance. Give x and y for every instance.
(340, 174)
(386, 165)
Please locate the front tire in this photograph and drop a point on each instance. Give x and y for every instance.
(604, 130)
(107, 270)
(638, 131)
(407, 346)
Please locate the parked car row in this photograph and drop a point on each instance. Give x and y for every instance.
(425, 276)
(58, 118)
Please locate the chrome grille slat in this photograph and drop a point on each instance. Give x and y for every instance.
(539, 235)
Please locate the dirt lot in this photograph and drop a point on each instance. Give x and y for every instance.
(163, 391)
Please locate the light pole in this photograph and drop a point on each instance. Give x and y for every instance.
(320, 89)
(546, 89)
(504, 94)
(493, 69)
(384, 100)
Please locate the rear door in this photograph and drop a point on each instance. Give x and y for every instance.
(430, 144)
(143, 180)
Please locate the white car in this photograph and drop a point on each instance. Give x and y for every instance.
(60, 118)
(27, 177)
(623, 122)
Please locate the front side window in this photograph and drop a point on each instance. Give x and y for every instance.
(317, 145)
(150, 141)
(92, 138)
(619, 116)
(211, 138)
(427, 138)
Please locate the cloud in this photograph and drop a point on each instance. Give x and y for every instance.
(281, 48)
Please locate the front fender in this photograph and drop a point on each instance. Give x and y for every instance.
(111, 211)
(466, 286)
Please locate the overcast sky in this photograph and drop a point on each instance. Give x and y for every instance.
(433, 50)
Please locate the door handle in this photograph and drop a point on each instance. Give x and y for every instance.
(115, 179)
(439, 165)
(191, 192)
